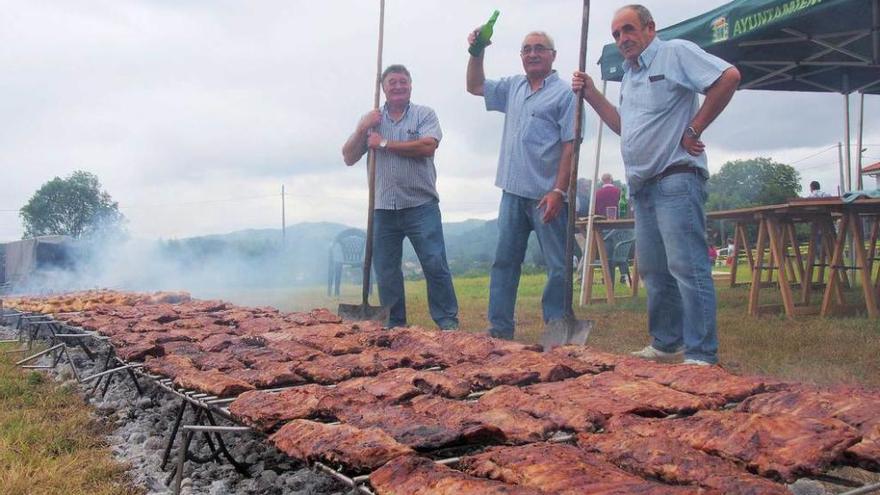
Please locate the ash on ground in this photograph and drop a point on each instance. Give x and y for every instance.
(141, 426)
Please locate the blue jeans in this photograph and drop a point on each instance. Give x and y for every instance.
(517, 218)
(674, 263)
(423, 226)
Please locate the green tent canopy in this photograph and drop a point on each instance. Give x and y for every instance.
(787, 45)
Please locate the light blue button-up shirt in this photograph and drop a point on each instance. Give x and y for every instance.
(658, 101)
(536, 123)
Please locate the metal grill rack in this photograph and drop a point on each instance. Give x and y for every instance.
(206, 408)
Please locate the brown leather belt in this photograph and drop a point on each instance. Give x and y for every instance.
(676, 169)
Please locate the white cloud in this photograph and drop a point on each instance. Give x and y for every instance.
(179, 105)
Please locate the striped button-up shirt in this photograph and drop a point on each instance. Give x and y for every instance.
(658, 101)
(536, 123)
(404, 182)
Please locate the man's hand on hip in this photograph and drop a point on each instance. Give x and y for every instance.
(692, 144)
(552, 204)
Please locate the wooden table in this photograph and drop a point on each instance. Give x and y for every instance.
(777, 238)
(851, 216)
(778, 254)
(595, 245)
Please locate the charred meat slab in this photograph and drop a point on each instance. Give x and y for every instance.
(352, 448)
(675, 462)
(777, 446)
(266, 411)
(560, 469)
(212, 382)
(413, 475)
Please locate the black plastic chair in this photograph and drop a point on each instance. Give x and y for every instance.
(347, 250)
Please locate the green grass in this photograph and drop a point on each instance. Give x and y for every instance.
(807, 348)
(49, 442)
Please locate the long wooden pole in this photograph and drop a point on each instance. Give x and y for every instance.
(573, 173)
(590, 207)
(371, 165)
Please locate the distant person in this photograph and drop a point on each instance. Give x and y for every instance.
(405, 136)
(584, 189)
(816, 191)
(660, 121)
(713, 254)
(607, 195)
(533, 173)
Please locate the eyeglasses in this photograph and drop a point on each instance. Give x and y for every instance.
(537, 50)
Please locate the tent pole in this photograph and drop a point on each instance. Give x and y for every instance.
(859, 184)
(590, 213)
(847, 144)
(840, 189)
(875, 32)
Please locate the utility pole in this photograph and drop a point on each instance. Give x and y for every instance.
(859, 185)
(842, 188)
(283, 220)
(846, 151)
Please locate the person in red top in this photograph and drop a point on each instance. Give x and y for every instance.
(607, 195)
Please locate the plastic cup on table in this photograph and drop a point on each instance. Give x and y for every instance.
(611, 212)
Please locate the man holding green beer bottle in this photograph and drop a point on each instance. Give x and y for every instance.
(533, 171)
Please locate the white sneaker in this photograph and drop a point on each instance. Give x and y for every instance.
(697, 362)
(649, 352)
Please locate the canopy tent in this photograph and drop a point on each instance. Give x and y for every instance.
(786, 45)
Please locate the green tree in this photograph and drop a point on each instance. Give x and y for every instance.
(74, 206)
(754, 182)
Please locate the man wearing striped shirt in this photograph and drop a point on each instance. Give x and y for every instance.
(405, 136)
(533, 172)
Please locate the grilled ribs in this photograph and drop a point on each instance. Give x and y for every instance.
(703, 380)
(675, 462)
(355, 449)
(564, 415)
(561, 470)
(776, 446)
(212, 382)
(853, 406)
(266, 411)
(517, 426)
(413, 475)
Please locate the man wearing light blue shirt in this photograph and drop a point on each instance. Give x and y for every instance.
(660, 122)
(533, 173)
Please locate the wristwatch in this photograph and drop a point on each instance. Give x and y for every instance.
(383, 144)
(561, 193)
(691, 132)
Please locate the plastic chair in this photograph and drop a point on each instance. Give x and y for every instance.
(347, 250)
(620, 245)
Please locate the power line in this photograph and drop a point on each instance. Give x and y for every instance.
(814, 154)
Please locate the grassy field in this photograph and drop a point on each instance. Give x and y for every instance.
(808, 348)
(49, 442)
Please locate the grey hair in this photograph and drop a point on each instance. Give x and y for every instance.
(644, 14)
(395, 69)
(607, 178)
(546, 36)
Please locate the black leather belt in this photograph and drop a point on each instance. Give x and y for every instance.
(676, 169)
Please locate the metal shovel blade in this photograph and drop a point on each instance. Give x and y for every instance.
(363, 312)
(565, 331)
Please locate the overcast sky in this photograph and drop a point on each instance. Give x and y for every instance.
(194, 113)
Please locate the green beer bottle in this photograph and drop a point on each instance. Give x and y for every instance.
(476, 49)
(622, 205)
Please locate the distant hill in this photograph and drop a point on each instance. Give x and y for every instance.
(260, 258)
